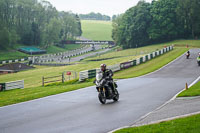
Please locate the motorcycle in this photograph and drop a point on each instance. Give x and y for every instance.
(104, 89)
(187, 55)
(198, 61)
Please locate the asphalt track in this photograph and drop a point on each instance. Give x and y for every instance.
(80, 111)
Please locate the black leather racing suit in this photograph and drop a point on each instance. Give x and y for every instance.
(107, 74)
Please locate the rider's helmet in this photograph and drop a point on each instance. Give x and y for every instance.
(103, 67)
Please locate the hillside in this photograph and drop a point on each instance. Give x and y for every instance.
(97, 30)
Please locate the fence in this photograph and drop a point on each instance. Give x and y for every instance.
(52, 79)
(15, 60)
(87, 74)
(66, 75)
(12, 85)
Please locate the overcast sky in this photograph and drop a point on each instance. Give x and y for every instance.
(106, 7)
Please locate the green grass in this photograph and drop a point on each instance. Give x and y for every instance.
(192, 91)
(182, 125)
(11, 55)
(97, 30)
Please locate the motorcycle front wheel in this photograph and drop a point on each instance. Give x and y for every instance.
(102, 97)
(116, 98)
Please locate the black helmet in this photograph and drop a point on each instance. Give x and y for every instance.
(103, 67)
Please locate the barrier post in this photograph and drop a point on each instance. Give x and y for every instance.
(43, 81)
(63, 77)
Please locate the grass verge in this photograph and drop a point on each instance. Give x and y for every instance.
(192, 91)
(182, 125)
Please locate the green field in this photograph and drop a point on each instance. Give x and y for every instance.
(97, 30)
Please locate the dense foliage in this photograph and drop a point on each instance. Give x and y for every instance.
(33, 22)
(159, 21)
(94, 16)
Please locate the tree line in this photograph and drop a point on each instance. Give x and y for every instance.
(156, 22)
(33, 22)
(94, 16)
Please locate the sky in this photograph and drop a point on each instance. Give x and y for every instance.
(105, 7)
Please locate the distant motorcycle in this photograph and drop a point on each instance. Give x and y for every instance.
(187, 55)
(104, 89)
(198, 61)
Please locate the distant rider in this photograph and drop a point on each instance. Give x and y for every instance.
(198, 57)
(188, 54)
(107, 74)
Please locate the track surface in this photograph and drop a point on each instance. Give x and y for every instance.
(80, 111)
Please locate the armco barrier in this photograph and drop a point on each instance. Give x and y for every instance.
(12, 85)
(117, 67)
(126, 65)
(114, 68)
(83, 75)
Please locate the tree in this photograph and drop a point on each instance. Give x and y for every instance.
(4, 37)
(94, 16)
(29, 22)
(52, 32)
(164, 24)
(188, 15)
(131, 31)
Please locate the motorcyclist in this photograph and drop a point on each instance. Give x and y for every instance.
(188, 54)
(107, 74)
(198, 57)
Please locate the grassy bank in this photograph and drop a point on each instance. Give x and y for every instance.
(97, 30)
(182, 125)
(192, 91)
